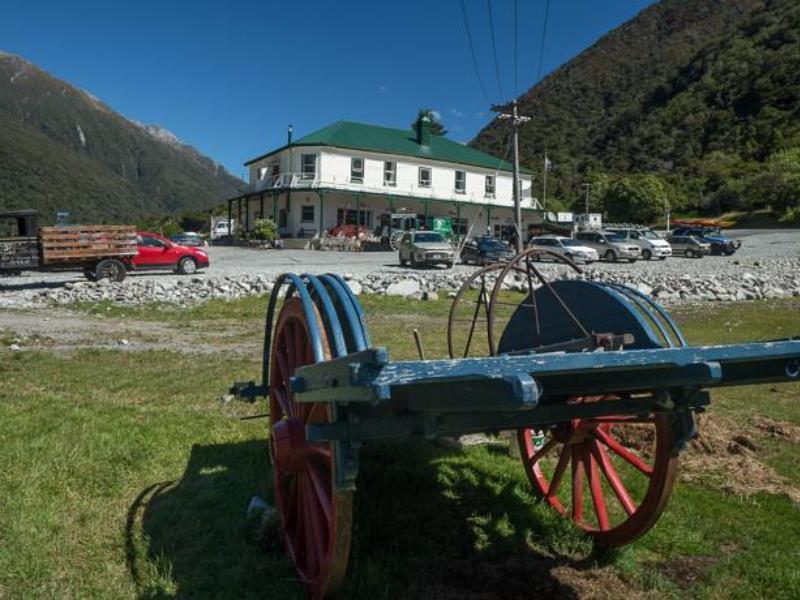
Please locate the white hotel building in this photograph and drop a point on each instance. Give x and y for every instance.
(352, 173)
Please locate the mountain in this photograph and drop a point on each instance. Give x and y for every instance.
(702, 94)
(63, 149)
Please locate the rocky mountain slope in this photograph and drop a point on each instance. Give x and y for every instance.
(63, 149)
(704, 94)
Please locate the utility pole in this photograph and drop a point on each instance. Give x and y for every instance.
(587, 186)
(516, 121)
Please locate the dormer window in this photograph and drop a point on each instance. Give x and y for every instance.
(308, 166)
(356, 170)
(461, 182)
(424, 177)
(489, 186)
(390, 173)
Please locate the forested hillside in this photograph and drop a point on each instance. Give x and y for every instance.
(62, 149)
(692, 102)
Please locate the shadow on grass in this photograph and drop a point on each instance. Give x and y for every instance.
(433, 524)
(191, 538)
(428, 524)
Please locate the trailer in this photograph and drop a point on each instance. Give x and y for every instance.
(595, 380)
(99, 251)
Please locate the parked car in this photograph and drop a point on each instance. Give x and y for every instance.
(188, 238)
(651, 244)
(485, 249)
(610, 246)
(219, 228)
(424, 248)
(720, 244)
(689, 246)
(572, 249)
(157, 252)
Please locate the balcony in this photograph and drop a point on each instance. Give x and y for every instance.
(300, 181)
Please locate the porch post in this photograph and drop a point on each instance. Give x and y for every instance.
(425, 204)
(458, 215)
(275, 208)
(321, 210)
(239, 212)
(262, 206)
(489, 218)
(358, 209)
(247, 214)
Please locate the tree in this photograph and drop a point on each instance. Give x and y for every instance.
(635, 198)
(436, 123)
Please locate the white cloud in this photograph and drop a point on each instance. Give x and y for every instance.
(383, 88)
(458, 114)
(436, 114)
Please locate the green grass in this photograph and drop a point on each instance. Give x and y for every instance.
(123, 476)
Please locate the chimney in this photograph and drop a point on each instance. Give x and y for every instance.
(289, 136)
(424, 131)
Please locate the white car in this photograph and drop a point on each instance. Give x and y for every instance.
(567, 247)
(220, 229)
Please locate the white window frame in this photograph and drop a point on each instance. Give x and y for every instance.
(390, 173)
(420, 181)
(313, 213)
(463, 189)
(353, 177)
(305, 175)
(490, 189)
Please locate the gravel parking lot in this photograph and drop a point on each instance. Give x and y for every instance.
(768, 253)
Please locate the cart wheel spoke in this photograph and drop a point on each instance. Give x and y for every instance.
(577, 485)
(283, 401)
(558, 474)
(622, 451)
(603, 460)
(321, 492)
(596, 489)
(543, 451)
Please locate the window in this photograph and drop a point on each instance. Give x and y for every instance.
(390, 173)
(151, 242)
(489, 186)
(353, 217)
(308, 166)
(460, 226)
(461, 182)
(424, 177)
(262, 172)
(356, 170)
(307, 214)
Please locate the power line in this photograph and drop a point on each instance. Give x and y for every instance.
(472, 53)
(541, 45)
(494, 48)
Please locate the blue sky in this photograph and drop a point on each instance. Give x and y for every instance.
(228, 77)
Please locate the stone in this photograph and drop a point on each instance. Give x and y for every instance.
(430, 296)
(404, 287)
(355, 286)
(645, 289)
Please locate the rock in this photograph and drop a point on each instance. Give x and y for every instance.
(354, 286)
(404, 287)
(123, 342)
(645, 289)
(430, 296)
(14, 348)
(348, 276)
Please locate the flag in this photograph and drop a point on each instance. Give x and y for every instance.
(548, 164)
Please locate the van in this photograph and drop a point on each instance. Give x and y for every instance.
(610, 246)
(651, 244)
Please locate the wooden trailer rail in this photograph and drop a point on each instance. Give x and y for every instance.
(86, 242)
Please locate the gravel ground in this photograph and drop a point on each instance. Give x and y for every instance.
(771, 253)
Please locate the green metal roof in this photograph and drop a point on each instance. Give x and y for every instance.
(372, 138)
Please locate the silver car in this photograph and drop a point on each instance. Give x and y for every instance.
(689, 246)
(424, 248)
(567, 247)
(652, 245)
(610, 246)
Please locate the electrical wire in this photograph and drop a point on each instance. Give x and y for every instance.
(541, 45)
(472, 53)
(494, 50)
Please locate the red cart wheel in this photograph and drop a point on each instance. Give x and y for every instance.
(612, 476)
(315, 516)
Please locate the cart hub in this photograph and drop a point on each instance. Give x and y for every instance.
(291, 447)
